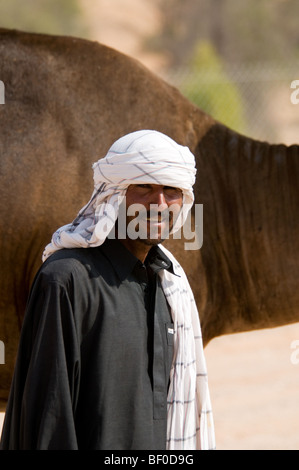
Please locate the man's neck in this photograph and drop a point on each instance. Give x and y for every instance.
(138, 248)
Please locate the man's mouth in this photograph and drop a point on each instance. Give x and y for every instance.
(158, 218)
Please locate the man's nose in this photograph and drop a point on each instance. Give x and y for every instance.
(159, 198)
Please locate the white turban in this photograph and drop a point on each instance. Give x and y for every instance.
(141, 157)
(149, 157)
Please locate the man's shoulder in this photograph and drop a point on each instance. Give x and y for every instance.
(70, 263)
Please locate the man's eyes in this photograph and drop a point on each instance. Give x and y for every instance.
(165, 188)
(172, 191)
(169, 191)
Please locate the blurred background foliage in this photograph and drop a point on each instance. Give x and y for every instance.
(235, 60)
(208, 86)
(240, 31)
(43, 16)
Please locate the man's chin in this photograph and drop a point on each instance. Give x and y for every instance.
(153, 241)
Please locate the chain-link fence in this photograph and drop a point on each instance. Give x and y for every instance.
(255, 100)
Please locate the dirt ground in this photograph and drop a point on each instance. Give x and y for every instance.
(254, 386)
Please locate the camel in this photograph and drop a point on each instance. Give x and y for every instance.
(66, 101)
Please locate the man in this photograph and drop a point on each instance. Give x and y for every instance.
(110, 354)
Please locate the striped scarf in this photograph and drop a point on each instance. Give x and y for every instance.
(189, 413)
(149, 157)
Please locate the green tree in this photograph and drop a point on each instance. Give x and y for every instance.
(209, 87)
(43, 16)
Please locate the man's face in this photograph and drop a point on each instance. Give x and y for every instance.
(160, 206)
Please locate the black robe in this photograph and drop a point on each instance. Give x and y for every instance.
(95, 353)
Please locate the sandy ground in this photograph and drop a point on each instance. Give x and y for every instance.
(254, 386)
